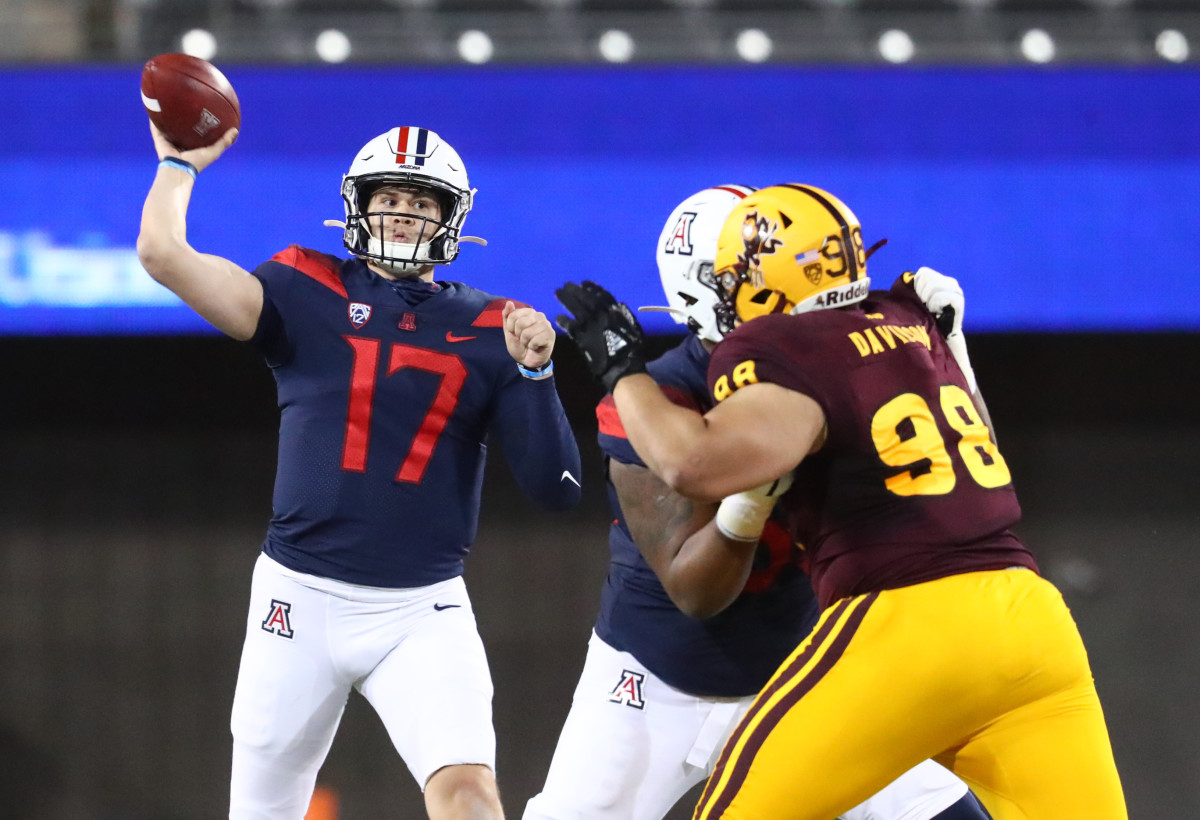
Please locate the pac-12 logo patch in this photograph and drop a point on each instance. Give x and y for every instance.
(279, 619)
(629, 690)
(359, 313)
(680, 240)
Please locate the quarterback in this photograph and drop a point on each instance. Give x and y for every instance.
(937, 637)
(389, 383)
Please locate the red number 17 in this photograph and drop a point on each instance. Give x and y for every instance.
(362, 397)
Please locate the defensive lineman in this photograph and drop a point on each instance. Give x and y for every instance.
(388, 384)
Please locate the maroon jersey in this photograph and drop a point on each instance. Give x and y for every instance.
(908, 486)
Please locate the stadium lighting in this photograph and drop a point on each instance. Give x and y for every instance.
(333, 46)
(1037, 46)
(896, 46)
(616, 46)
(199, 43)
(753, 45)
(1172, 45)
(475, 46)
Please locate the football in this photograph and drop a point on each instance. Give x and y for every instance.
(189, 100)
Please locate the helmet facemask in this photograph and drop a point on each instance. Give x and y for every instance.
(726, 287)
(437, 242)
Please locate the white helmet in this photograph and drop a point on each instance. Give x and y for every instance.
(686, 247)
(408, 156)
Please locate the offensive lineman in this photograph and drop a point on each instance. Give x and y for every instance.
(661, 689)
(389, 383)
(937, 636)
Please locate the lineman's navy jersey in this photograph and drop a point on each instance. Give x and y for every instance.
(733, 653)
(908, 485)
(387, 391)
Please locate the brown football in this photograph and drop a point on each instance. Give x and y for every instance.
(189, 100)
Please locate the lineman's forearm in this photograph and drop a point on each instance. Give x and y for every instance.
(664, 434)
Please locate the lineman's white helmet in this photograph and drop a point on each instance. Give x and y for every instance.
(687, 245)
(407, 156)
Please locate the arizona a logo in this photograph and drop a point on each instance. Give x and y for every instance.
(408, 321)
(629, 690)
(359, 313)
(680, 240)
(279, 619)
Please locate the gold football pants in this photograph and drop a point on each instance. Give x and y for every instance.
(984, 672)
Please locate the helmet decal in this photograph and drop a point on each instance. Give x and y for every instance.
(758, 238)
(680, 238)
(846, 238)
(412, 142)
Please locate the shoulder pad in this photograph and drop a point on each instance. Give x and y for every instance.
(322, 267)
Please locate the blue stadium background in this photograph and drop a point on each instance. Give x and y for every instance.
(1064, 199)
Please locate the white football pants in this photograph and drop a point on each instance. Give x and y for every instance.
(415, 654)
(632, 746)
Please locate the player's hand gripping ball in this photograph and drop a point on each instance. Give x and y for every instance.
(606, 331)
(189, 100)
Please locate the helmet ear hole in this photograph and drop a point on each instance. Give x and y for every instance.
(762, 297)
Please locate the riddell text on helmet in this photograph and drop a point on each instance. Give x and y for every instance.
(840, 297)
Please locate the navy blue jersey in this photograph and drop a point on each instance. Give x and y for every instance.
(733, 653)
(387, 392)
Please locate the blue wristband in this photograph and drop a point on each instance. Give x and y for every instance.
(181, 164)
(536, 372)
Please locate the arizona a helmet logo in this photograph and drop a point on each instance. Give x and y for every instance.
(680, 240)
(359, 313)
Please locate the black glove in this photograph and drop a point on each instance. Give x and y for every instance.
(605, 330)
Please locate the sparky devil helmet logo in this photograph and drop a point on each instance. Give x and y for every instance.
(758, 237)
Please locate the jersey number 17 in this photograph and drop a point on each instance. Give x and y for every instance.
(363, 377)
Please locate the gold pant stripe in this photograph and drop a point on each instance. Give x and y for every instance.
(789, 685)
(822, 631)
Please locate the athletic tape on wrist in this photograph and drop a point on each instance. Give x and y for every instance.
(742, 517)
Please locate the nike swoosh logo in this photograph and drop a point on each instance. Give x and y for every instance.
(440, 607)
(568, 477)
(450, 337)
